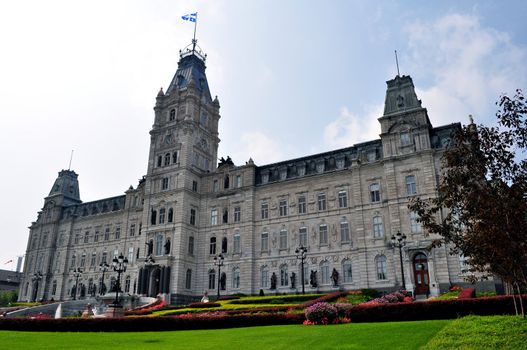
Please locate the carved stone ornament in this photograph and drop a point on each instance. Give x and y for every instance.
(314, 260)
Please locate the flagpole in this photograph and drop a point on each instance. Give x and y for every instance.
(194, 40)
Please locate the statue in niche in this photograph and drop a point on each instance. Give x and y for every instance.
(273, 281)
(293, 280)
(400, 101)
(150, 245)
(223, 281)
(313, 279)
(335, 277)
(167, 247)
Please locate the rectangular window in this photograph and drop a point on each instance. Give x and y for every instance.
(323, 232)
(188, 279)
(159, 245)
(411, 187)
(214, 217)
(107, 234)
(164, 183)
(302, 205)
(130, 255)
(381, 268)
(215, 186)
(283, 207)
(265, 210)
(104, 257)
(194, 186)
(193, 216)
(238, 181)
(415, 225)
(118, 232)
(283, 239)
(83, 260)
(375, 193)
(77, 238)
(212, 246)
(132, 230)
(191, 245)
(237, 214)
(237, 244)
(96, 236)
(405, 138)
(347, 272)
(265, 242)
(264, 278)
(343, 199)
(378, 229)
(324, 274)
(344, 232)
(302, 236)
(86, 236)
(321, 200)
(162, 215)
(212, 279)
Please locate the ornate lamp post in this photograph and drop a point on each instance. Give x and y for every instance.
(218, 261)
(301, 254)
(119, 265)
(103, 267)
(399, 241)
(76, 273)
(36, 278)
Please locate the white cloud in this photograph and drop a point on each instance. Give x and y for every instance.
(350, 128)
(260, 147)
(470, 66)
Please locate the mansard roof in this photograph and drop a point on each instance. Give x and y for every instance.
(191, 67)
(101, 206)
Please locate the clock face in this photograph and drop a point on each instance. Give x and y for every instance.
(168, 139)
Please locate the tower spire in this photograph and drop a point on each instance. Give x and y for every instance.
(397, 63)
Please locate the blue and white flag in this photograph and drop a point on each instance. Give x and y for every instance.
(193, 17)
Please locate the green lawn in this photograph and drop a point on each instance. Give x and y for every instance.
(392, 335)
(472, 332)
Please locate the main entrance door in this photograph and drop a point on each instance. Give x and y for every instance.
(421, 274)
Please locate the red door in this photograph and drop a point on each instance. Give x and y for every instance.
(421, 274)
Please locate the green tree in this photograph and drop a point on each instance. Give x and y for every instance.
(481, 205)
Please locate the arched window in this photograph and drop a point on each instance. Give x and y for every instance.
(162, 215)
(54, 288)
(159, 161)
(380, 264)
(224, 245)
(170, 215)
(188, 279)
(236, 277)
(127, 284)
(347, 275)
(223, 281)
(226, 182)
(284, 276)
(212, 279)
(172, 115)
(324, 272)
(212, 246)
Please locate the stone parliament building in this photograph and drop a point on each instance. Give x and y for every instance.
(343, 205)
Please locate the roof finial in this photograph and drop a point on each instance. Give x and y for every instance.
(397, 63)
(71, 158)
(471, 118)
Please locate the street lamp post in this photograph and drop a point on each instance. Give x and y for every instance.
(36, 278)
(119, 265)
(76, 273)
(301, 254)
(399, 241)
(103, 267)
(218, 261)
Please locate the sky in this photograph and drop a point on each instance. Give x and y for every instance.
(293, 78)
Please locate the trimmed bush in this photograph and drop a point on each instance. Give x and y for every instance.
(321, 313)
(467, 293)
(203, 305)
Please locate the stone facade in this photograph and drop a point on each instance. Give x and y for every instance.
(343, 206)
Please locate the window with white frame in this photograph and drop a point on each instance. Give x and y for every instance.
(215, 186)
(380, 264)
(106, 233)
(415, 225)
(347, 274)
(236, 278)
(375, 193)
(302, 205)
(237, 214)
(159, 245)
(132, 230)
(343, 199)
(162, 215)
(378, 228)
(411, 187)
(283, 239)
(306, 274)
(323, 234)
(93, 259)
(130, 255)
(283, 207)
(264, 210)
(284, 276)
(264, 243)
(167, 159)
(302, 236)
(264, 277)
(324, 272)
(214, 217)
(238, 181)
(237, 243)
(321, 200)
(344, 231)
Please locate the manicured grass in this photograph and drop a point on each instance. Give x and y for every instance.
(389, 335)
(482, 332)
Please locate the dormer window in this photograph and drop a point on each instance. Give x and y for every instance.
(405, 138)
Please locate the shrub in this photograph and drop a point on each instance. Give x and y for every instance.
(394, 297)
(203, 305)
(467, 293)
(325, 298)
(321, 313)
